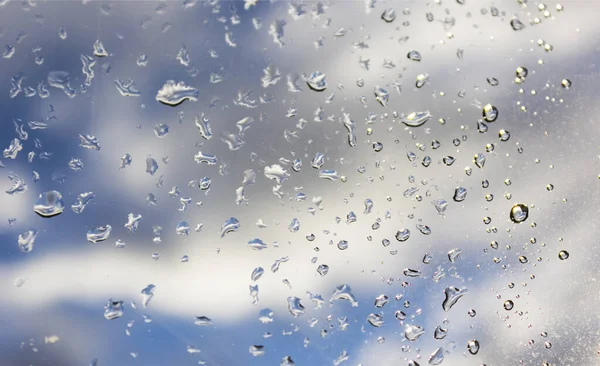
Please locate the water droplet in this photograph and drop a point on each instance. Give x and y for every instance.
(508, 305)
(519, 213)
(317, 81)
(516, 24)
(381, 300)
(402, 235)
(389, 15)
(473, 346)
(448, 160)
(173, 94)
(381, 95)
(454, 254)
(375, 320)
(113, 309)
(453, 294)
(99, 50)
(424, 229)
(344, 292)
(230, 225)
(563, 254)
(287, 361)
(342, 245)
(26, 240)
(294, 306)
(460, 193)
(440, 205)
(415, 119)
(161, 130)
(566, 83)
(490, 113)
(413, 332)
(440, 333)
(437, 357)
(479, 160)
(294, 226)
(49, 204)
(414, 55)
(133, 222)
(493, 81)
(257, 350)
(323, 269)
(503, 135)
(421, 80)
(99, 233)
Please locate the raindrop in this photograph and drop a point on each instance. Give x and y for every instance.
(566, 83)
(503, 135)
(375, 320)
(508, 305)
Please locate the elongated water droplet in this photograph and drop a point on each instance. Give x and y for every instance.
(295, 307)
(516, 24)
(317, 81)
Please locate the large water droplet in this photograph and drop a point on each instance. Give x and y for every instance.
(519, 213)
(49, 204)
(508, 305)
(375, 320)
(473, 346)
(437, 357)
(147, 294)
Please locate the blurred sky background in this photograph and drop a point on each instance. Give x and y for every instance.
(54, 295)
